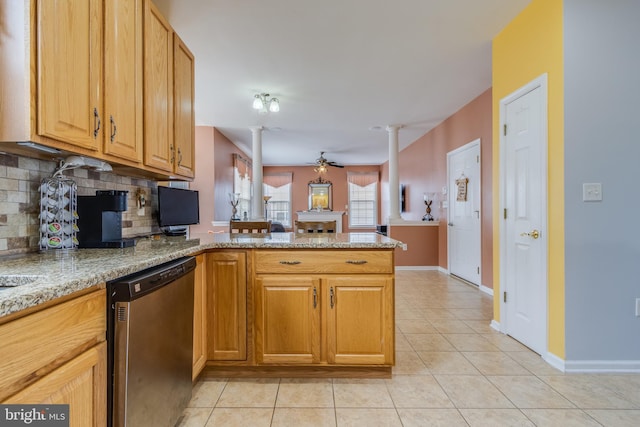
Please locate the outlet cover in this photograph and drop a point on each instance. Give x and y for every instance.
(592, 192)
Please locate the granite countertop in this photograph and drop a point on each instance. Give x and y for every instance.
(42, 277)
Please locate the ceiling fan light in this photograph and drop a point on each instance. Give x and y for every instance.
(258, 104)
(274, 105)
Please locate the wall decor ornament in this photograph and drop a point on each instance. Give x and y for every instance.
(461, 183)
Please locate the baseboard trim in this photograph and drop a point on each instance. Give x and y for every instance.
(602, 366)
(416, 267)
(555, 361)
(495, 325)
(486, 290)
(212, 370)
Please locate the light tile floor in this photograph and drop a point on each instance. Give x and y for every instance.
(452, 369)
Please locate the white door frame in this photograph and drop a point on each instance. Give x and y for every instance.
(451, 193)
(539, 82)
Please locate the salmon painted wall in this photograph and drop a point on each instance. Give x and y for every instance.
(422, 245)
(214, 176)
(338, 177)
(202, 181)
(531, 45)
(423, 169)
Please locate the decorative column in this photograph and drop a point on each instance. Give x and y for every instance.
(257, 210)
(394, 186)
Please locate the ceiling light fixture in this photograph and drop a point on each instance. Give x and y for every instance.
(263, 104)
(320, 168)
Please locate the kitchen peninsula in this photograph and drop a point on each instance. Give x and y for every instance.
(265, 305)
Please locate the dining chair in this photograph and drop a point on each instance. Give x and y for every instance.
(315, 226)
(244, 227)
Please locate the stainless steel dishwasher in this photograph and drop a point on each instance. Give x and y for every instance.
(150, 338)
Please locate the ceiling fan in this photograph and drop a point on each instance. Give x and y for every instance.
(322, 163)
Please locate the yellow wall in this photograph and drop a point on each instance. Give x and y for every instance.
(531, 45)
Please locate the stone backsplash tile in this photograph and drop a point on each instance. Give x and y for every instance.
(20, 179)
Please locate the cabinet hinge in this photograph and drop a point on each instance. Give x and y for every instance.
(477, 159)
(504, 296)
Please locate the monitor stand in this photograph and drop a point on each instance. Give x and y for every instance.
(175, 231)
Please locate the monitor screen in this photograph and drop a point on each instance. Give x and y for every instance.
(177, 206)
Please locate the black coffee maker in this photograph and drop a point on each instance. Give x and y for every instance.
(100, 220)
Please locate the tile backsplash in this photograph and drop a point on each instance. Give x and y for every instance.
(20, 179)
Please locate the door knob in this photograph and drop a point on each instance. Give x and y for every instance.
(534, 234)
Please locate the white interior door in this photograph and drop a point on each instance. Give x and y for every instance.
(464, 230)
(523, 232)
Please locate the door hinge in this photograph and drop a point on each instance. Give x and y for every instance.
(477, 159)
(504, 296)
(505, 129)
(504, 213)
(478, 270)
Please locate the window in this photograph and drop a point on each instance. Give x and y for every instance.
(363, 199)
(278, 186)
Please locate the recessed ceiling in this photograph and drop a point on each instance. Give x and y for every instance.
(342, 70)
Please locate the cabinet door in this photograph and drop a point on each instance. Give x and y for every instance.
(184, 119)
(199, 317)
(226, 306)
(70, 71)
(80, 383)
(123, 79)
(360, 319)
(288, 319)
(158, 90)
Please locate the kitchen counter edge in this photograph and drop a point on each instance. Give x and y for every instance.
(55, 274)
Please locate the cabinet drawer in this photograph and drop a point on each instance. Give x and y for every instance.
(329, 261)
(34, 345)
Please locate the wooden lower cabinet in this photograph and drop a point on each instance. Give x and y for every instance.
(199, 317)
(309, 312)
(350, 316)
(226, 282)
(288, 319)
(57, 355)
(359, 320)
(80, 383)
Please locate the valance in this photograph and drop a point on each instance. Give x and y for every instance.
(362, 179)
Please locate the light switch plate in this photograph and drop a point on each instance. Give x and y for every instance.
(592, 192)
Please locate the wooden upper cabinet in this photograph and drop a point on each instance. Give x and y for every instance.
(69, 62)
(184, 118)
(122, 118)
(159, 150)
